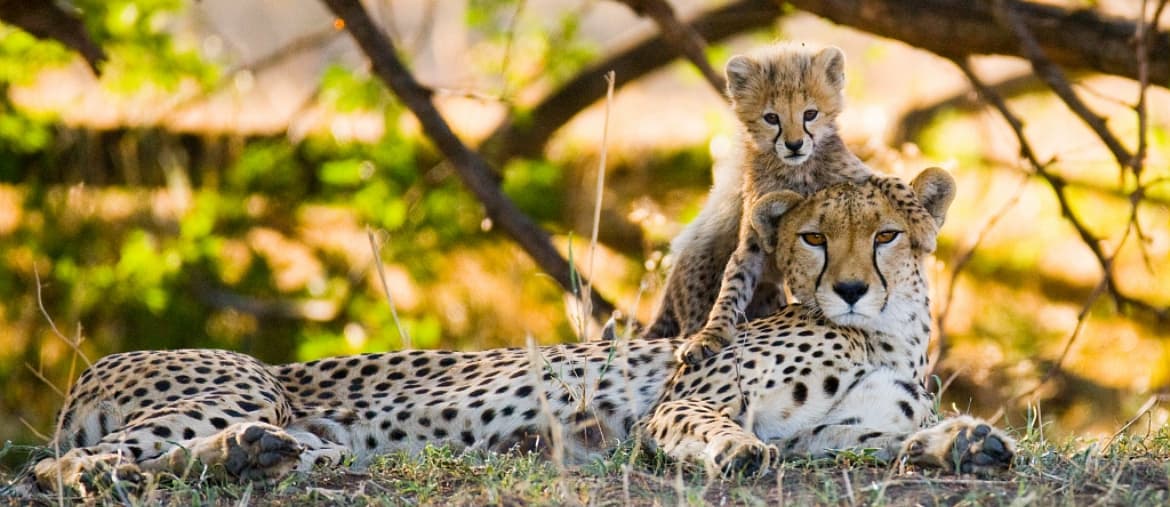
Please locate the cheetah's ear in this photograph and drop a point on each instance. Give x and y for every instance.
(739, 75)
(935, 189)
(766, 213)
(831, 61)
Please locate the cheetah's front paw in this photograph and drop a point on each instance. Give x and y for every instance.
(961, 444)
(89, 475)
(744, 458)
(700, 346)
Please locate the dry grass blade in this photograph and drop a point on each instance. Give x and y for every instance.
(599, 193)
(374, 247)
(1145, 409)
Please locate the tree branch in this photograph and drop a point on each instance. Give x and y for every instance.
(684, 38)
(47, 20)
(955, 29)
(475, 172)
(526, 135)
(1054, 77)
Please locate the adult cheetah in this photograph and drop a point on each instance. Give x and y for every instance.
(837, 372)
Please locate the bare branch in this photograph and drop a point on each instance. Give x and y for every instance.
(475, 172)
(1079, 39)
(527, 137)
(684, 38)
(1054, 77)
(1058, 184)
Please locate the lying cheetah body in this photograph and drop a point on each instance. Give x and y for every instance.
(809, 379)
(786, 99)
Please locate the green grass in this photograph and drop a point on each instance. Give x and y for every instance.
(1132, 470)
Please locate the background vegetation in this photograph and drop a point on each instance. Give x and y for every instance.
(216, 185)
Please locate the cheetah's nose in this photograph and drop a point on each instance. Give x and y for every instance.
(794, 145)
(851, 290)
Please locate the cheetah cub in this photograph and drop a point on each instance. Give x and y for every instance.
(787, 99)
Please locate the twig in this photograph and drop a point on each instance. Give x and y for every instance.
(41, 376)
(685, 39)
(1141, 46)
(601, 165)
(961, 263)
(1054, 77)
(510, 36)
(475, 172)
(295, 47)
(1145, 408)
(1058, 184)
(1082, 317)
(406, 341)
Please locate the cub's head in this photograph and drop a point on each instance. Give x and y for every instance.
(855, 252)
(787, 97)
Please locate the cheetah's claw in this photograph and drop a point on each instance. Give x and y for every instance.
(747, 460)
(963, 444)
(700, 346)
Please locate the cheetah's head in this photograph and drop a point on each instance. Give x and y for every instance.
(787, 97)
(855, 252)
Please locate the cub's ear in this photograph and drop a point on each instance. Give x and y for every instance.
(766, 213)
(740, 70)
(830, 62)
(935, 189)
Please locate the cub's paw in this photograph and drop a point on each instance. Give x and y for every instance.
(700, 346)
(258, 451)
(744, 458)
(962, 444)
(90, 475)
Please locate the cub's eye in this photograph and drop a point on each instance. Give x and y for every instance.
(810, 115)
(772, 119)
(813, 238)
(885, 237)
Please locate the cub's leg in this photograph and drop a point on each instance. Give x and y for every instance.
(735, 292)
(755, 246)
(698, 430)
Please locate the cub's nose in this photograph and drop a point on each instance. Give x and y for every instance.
(850, 291)
(794, 145)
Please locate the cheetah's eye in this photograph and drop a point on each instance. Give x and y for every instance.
(810, 115)
(772, 119)
(813, 238)
(885, 237)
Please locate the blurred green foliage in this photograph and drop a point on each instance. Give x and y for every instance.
(267, 255)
